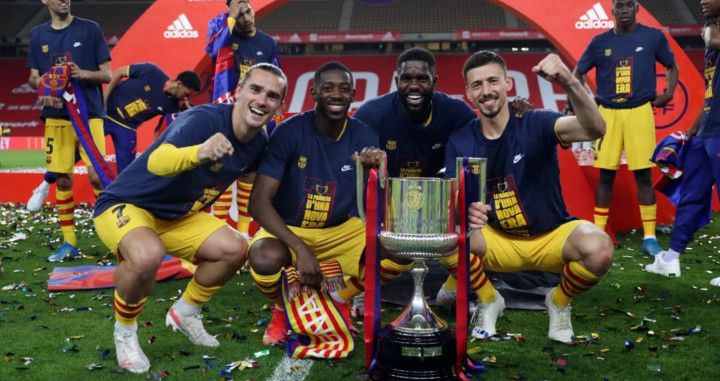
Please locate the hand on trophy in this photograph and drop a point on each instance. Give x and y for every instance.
(478, 215)
(308, 268)
(370, 157)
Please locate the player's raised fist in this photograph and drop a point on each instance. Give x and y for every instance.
(553, 69)
(214, 148)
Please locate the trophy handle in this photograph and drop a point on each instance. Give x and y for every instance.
(360, 184)
(481, 164)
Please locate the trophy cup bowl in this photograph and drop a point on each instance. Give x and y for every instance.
(419, 225)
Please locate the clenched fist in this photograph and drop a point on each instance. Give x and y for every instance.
(214, 148)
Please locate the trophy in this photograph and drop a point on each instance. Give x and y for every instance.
(419, 225)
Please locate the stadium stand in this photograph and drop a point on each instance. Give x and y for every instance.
(14, 16)
(114, 17)
(427, 16)
(303, 16)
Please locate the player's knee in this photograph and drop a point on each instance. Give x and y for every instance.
(233, 251)
(597, 252)
(268, 256)
(146, 259)
(64, 181)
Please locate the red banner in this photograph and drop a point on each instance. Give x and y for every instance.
(17, 100)
(331, 37)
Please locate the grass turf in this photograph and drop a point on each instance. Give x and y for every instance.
(11, 159)
(63, 333)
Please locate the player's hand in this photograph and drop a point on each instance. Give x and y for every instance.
(478, 215)
(370, 157)
(521, 106)
(214, 148)
(308, 268)
(77, 73)
(554, 70)
(661, 100)
(234, 8)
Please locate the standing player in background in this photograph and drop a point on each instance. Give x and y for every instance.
(234, 45)
(155, 207)
(701, 158)
(305, 195)
(67, 39)
(146, 93)
(624, 58)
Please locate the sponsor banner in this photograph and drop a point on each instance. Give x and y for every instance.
(497, 34)
(332, 37)
(684, 30)
(528, 34)
(21, 143)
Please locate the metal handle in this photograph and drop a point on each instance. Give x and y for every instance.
(359, 172)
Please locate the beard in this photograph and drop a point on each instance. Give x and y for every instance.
(491, 113)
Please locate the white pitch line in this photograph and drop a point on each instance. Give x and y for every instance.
(284, 373)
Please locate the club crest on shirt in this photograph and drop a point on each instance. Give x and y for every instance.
(302, 162)
(391, 144)
(475, 169)
(45, 48)
(216, 167)
(608, 52)
(147, 88)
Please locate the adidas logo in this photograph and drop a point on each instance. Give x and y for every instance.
(595, 18)
(181, 28)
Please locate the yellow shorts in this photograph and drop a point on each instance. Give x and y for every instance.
(632, 129)
(344, 243)
(60, 142)
(182, 237)
(509, 253)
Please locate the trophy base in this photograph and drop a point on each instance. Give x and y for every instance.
(416, 356)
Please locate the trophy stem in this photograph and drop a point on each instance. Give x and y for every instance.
(418, 317)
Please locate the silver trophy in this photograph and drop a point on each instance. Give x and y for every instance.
(420, 225)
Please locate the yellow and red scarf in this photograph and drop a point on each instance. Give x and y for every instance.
(314, 317)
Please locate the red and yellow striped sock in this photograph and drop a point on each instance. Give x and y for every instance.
(479, 282)
(450, 263)
(648, 214)
(268, 285)
(575, 281)
(600, 216)
(197, 294)
(127, 313)
(221, 207)
(66, 212)
(389, 271)
(243, 197)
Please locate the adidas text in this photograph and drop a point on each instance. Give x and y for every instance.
(595, 24)
(181, 34)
